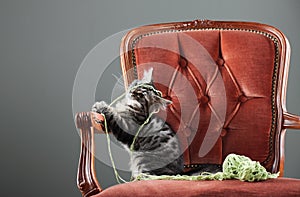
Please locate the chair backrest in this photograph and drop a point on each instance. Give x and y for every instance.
(227, 82)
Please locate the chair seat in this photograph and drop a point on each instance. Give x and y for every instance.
(162, 188)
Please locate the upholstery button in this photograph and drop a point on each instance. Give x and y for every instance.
(242, 98)
(223, 132)
(204, 99)
(187, 131)
(183, 62)
(220, 62)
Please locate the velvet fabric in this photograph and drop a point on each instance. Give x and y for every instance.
(220, 83)
(160, 188)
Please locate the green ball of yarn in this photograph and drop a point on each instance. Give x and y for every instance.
(244, 169)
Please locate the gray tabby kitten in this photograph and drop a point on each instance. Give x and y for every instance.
(156, 149)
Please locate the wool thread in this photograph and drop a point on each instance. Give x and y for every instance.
(234, 167)
(117, 175)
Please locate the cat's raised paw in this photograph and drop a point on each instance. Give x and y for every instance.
(99, 106)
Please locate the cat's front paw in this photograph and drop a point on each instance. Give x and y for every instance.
(99, 107)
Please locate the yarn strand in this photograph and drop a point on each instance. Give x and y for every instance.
(118, 177)
(140, 128)
(234, 167)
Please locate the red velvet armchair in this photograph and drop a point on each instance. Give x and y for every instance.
(227, 82)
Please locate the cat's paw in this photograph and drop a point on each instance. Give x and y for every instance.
(99, 106)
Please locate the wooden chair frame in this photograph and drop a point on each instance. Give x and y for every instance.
(86, 178)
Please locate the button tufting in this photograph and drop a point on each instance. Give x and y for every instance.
(204, 99)
(183, 62)
(242, 98)
(223, 132)
(220, 62)
(187, 132)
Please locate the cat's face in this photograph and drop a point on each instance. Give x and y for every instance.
(144, 92)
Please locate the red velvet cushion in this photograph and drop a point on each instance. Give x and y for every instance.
(161, 188)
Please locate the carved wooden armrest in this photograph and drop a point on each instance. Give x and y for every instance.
(291, 121)
(86, 176)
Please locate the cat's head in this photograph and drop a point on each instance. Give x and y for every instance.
(144, 92)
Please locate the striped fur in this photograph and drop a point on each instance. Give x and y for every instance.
(156, 150)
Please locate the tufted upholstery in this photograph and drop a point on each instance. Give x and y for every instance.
(227, 83)
(222, 82)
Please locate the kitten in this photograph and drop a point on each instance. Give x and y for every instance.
(156, 150)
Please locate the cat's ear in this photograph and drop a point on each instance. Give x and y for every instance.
(163, 103)
(147, 78)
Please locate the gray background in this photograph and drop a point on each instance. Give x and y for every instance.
(42, 44)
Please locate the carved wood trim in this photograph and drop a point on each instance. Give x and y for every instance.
(199, 24)
(291, 121)
(86, 175)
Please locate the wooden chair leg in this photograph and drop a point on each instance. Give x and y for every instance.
(86, 176)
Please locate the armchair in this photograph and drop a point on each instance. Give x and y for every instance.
(227, 81)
